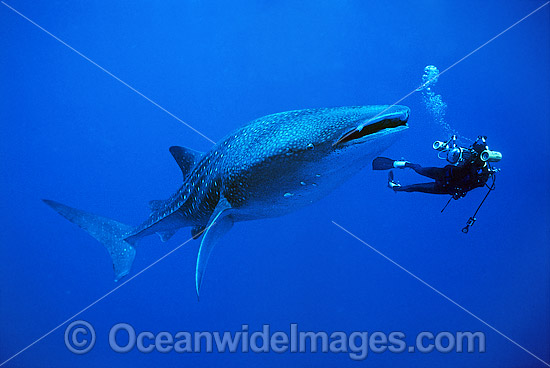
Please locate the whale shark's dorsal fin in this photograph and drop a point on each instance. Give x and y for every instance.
(186, 158)
(220, 223)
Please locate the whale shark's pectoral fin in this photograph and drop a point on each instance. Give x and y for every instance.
(220, 223)
(186, 158)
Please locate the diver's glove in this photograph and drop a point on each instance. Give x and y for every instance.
(392, 184)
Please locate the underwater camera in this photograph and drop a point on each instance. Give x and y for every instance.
(458, 156)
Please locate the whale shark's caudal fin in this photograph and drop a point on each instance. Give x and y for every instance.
(109, 232)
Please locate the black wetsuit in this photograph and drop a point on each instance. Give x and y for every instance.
(453, 180)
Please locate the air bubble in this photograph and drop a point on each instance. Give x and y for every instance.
(434, 103)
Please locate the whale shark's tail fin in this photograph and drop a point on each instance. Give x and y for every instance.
(109, 232)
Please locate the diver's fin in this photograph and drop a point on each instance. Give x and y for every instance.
(109, 232)
(156, 204)
(382, 163)
(197, 231)
(166, 235)
(220, 223)
(186, 158)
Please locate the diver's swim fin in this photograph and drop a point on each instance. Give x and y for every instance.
(382, 163)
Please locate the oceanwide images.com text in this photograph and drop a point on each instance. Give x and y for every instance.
(80, 337)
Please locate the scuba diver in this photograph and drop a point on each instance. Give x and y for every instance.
(468, 168)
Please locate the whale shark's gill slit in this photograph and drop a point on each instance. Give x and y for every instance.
(371, 129)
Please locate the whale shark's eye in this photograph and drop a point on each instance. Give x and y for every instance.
(363, 131)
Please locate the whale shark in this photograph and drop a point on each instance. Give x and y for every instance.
(272, 166)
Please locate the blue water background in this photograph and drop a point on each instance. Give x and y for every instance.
(72, 133)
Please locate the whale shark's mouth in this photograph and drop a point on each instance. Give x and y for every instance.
(382, 123)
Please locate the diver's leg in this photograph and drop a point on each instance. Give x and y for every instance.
(436, 173)
(431, 188)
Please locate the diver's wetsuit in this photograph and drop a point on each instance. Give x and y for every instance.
(453, 180)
